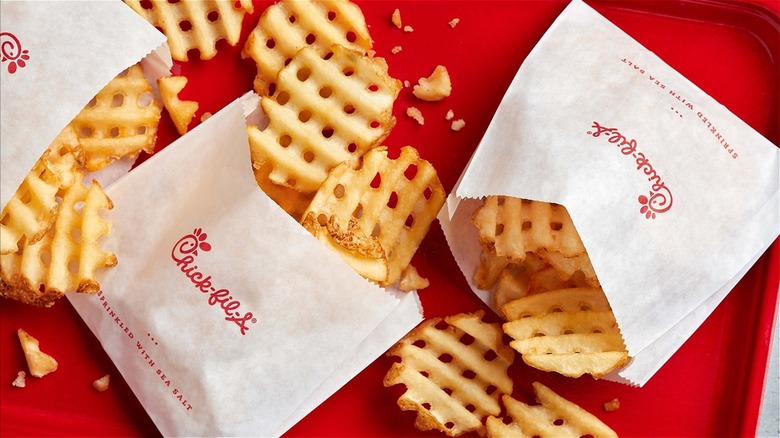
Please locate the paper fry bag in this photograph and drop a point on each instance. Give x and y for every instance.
(673, 196)
(224, 315)
(55, 57)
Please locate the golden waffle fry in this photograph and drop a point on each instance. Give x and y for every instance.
(390, 202)
(516, 226)
(489, 269)
(290, 25)
(325, 111)
(181, 111)
(553, 417)
(569, 331)
(65, 259)
(121, 121)
(195, 24)
(569, 266)
(454, 371)
(33, 208)
(291, 201)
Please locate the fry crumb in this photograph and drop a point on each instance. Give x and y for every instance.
(19, 381)
(415, 114)
(205, 117)
(101, 384)
(396, 18)
(408, 29)
(454, 22)
(612, 405)
(395, 50)
(407, 84)
(435, 87)
(449, 115)
(457, 125)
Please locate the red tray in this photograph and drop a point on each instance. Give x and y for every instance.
(711, 386)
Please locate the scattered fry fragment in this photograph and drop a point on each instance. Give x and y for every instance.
(396, 18)
(395, 50)
(181, 111)
(454, 22)
(457, 125)
(39, 363)
(450, 115)
(416, 114)
(612, 405)
(408, 29)
(101, 384)
(19, 381)
(435, 87)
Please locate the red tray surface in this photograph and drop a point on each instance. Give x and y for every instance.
(711, 386)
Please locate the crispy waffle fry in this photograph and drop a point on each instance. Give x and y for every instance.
(121, 121)
(38, 362)
(290, 25)
(33, 208)
(553, 417)
(516, 226)
(489, 269)
(195, 24)
(291, 201)
(569, 331)
(325, 111)
(389, 202)
(454, 371)
(181, 111)
(66, 258)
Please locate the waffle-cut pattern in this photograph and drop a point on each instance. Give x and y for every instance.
(454, 370)
(290, 25)
(66, 258)
(121, 121)
(390, 201)
(554, 417)
(197, 25)
(570, 331)
(326, 110)
(515, 226)
(33, 208)
(181, 111)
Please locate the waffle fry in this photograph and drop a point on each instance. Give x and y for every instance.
(291, 201)
(454, 371)
(325, 111)
(569, 331)
(33, 208)
(389, 203)
(553, 417)
(67, 257)
(121, 121)
(181, 111)
(290, 25)
(197, 25)
(516, 226)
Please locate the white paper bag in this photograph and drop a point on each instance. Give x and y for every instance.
(56, 57)
(224, 315)
(673, 196)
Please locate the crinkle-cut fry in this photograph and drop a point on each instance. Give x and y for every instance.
(515, 226)
(396, 199)
(325, 111)
(195, 24)
(454, 371)
(121, 121)
(33, 208)
(181, 111)
(553, 417)
(290, 25)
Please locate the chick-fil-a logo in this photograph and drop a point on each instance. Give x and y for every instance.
(659, 198)
(185, 253)
(12, 52)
